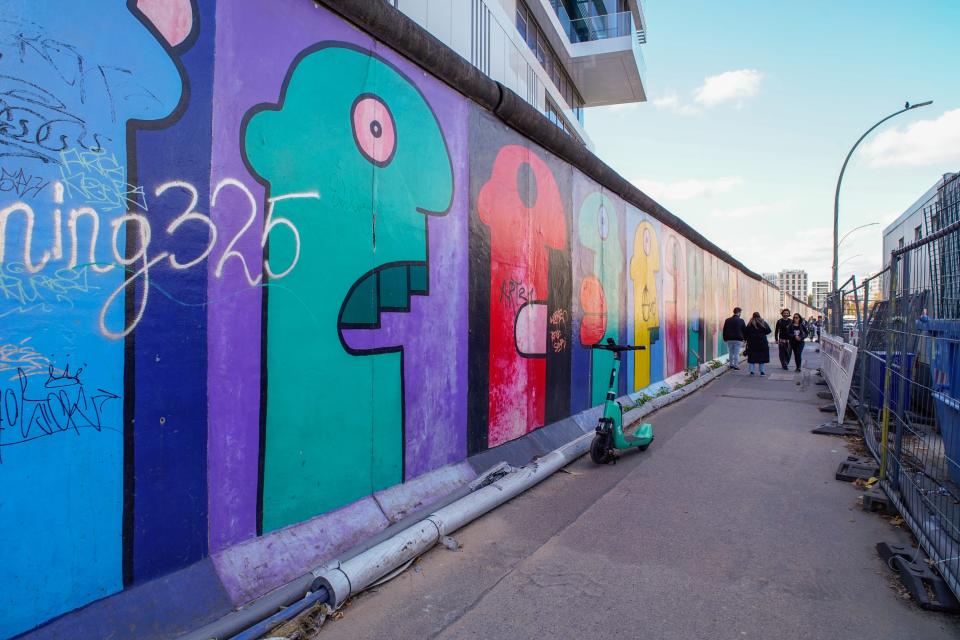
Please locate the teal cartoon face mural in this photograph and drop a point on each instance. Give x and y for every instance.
(354, 161)
(599, 231)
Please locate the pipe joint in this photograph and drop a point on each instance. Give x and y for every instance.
(337, 583)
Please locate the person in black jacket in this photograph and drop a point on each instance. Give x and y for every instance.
(796, 334)
(758, 350)
(781, 335)
(733, 336)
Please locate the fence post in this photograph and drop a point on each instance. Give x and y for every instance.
(862, 355)
(885, 422)
(856, 307)
(904, 359)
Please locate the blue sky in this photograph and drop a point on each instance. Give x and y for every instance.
(754, 104)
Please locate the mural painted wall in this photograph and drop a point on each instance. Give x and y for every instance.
(255, 266)
(599, 266)
(520, 286)
(644, 300)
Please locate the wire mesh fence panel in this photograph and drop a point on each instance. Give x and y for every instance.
(908, 392)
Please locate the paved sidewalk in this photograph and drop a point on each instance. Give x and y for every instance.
(730, 526)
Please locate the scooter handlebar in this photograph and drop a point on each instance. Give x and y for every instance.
(613, 346)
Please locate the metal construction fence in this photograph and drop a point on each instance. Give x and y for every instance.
(905, 390)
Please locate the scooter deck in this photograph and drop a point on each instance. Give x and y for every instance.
(643, 435)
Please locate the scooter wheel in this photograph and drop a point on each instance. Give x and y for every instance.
(600, 449)
(644, 447)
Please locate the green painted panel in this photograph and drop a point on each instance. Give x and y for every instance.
(353, 129)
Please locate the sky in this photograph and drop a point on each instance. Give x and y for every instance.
(753, 105)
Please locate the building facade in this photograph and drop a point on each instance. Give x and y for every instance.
(561, 56)
(820, 289)
(794, 282)
(935, 209)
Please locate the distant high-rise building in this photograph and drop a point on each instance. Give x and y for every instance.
(794, 282)
(770, 277)
(820, 289)
(876, 286)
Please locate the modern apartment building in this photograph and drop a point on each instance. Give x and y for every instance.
(877, 291)
(561, 56)
(820, 289)
(794, 282)
(931, 212)
(770, 277)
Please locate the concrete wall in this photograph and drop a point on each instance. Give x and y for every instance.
(266, 285)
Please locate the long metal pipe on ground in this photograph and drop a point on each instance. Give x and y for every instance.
(339, 580)
(348, 578)
(295, 591)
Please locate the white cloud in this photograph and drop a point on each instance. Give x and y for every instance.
(666, 101)
(921, 143)
(730, 86)
(687, 189)
(623, 106)
(750, 211)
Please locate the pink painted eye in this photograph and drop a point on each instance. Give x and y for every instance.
(374, 130)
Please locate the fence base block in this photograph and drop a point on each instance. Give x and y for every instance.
(876, 500)
(828, 408)
(834, 429)
(824, 395)
(856, 468)
(821, 383)
(925, 585)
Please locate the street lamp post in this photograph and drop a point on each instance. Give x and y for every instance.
(859, 255)
(836, 197)
(863, 226)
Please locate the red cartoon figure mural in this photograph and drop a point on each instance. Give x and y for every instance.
(674, 302)
(522, 206)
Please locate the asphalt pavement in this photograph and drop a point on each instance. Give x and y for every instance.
(730, 526)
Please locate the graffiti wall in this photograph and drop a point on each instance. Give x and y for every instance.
(255, 266)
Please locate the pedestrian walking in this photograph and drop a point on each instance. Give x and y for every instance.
(733, 336)
(781, 335)
(758, 349)
(811, 328)
(797, 333)
(819, 326)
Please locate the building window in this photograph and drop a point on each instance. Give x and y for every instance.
(522, 21)
(917, 234)
(900, 243)
(549, 60)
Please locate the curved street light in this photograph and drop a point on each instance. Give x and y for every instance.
(859, 255)
(863, 226)
(836, 197)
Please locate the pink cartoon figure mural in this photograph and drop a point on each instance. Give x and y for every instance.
(674, 302)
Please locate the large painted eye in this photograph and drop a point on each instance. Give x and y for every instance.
(374, 130)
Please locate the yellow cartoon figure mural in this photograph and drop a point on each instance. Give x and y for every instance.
(646, 327)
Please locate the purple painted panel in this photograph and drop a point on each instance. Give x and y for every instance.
(251, 569)
(434, 332)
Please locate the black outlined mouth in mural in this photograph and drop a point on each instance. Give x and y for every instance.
(387, 288)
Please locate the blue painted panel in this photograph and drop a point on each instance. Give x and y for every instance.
(71, 82)
(168, 479)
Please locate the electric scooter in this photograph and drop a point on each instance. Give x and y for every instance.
(610, 437)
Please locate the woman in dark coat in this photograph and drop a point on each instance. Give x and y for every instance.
(797, 333)
(758, 351)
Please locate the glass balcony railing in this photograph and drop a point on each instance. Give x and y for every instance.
(612, 25)
(593, 27)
